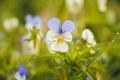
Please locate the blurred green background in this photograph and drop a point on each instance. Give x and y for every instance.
(104, 25)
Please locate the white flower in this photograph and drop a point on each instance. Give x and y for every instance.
(87, 35)
(58, 35)
(102, 5)
(74, 6)
(29, 46)
(10, 24)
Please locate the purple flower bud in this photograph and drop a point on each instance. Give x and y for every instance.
(22, 70)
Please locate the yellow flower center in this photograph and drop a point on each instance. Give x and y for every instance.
(60, 40)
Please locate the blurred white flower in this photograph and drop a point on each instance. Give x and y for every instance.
(11, 23)
(32, 41)
(102, 5)
(88, 36)
(74, 6)
(29, 46)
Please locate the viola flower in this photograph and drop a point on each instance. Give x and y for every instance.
(102, 5)
(88, 36)
(58, 35)
(11, 23)
(33, 22)
(21, 73)
(74, 6)
(33, 25)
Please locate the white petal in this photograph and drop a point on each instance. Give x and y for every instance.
(74, 6)
(48, 45)
(87, 35)
(14, 22)
(29, 26)
(48, 42)
(17, 76)
(67, 37)
(61, 47)
(93, 43)
(23, 77)
(10, 24)
(28, 47)
(102, 5)
(52, 36)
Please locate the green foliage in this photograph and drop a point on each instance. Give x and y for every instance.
(76, 64)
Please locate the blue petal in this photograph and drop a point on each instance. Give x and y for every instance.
(54, 24)
(29, 19)
(22, 70)
(68, 26)
(37, 21)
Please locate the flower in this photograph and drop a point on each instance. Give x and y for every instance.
(11, 23)
(33, 22)
(74, 6)
(33, 25)
(58, 35)
(87, 36)
(102, 5)
(21, 73)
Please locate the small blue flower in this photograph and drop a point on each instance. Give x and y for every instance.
(33, 22)
(58, 35)
(87, 78)
(21, 73)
